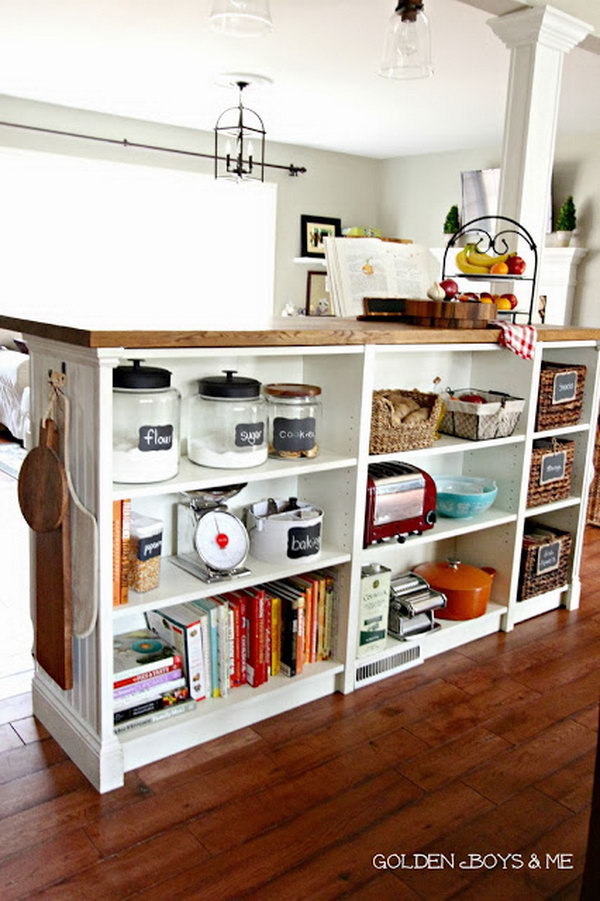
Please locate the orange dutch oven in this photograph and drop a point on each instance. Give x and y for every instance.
(467, 588)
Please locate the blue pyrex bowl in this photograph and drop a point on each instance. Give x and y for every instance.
(464, 496)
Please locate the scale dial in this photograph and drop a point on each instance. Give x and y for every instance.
(221, 541)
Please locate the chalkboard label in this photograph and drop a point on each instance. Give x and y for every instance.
(249, 434)
(294, 434)
(552, 468)
(564, 388)
(149, 547)
(155, 437)
(548, 558)
(304, 541)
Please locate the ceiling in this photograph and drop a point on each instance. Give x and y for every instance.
(158, 60)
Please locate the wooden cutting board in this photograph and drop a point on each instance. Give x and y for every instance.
(41, 508)
(429, 313)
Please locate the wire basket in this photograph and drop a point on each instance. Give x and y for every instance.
(545, 560)
(497, 418)
(560, 396)
(389, 435)
(551, 471)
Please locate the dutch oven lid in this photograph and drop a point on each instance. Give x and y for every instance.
(454, 575)
(141, 377)
(228, 385)
(292, 389)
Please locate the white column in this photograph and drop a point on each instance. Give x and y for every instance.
(538, 39)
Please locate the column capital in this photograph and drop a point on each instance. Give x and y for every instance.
(544, 25)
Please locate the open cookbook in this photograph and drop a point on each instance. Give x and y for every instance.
(371, 267)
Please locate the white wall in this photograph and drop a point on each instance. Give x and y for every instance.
(335, 184)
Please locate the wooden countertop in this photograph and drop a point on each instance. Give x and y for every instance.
(292, 333)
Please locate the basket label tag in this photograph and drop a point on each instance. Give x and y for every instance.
(564, 387)
(548, 558)
(553, 467)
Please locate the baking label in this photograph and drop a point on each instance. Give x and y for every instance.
(249, 434)
(564, 388)
(304, 541)
(553, 467)
(548, 558)
(149, 547)
(155, 437)
(294, 434)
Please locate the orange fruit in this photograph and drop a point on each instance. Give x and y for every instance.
(499, 269)
(503, 303)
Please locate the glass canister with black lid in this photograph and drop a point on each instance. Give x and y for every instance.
(228, 422)
(146, 413)
(294, 419)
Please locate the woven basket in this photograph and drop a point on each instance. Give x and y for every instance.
(552, 413)
(387, 438)
(497, 418)
(544, 486)
(536, 577)
(593, 508)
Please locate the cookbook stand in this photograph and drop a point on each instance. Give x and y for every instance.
(498, 243)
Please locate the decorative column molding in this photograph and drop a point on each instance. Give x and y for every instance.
(538, 39)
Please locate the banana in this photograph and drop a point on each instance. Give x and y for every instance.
(468, 268)
(483, 259)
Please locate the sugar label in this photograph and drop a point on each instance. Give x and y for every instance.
(249, 434)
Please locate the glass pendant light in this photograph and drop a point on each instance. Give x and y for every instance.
(407, 48)
(241, 18)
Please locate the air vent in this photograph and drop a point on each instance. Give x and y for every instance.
(387, 666)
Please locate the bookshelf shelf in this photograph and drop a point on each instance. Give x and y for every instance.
(178, 587)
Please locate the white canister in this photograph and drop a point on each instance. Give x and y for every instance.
(284, 530)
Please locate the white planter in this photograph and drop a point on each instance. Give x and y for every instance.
(559, 239)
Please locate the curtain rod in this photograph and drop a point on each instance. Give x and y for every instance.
(291, 169)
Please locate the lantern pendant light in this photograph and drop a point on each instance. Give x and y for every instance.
(407, 48)
(240, 142)
(241, 18)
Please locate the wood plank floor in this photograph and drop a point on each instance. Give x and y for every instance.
(488, 750)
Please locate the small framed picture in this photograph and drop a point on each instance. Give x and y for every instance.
(318, 299)
(313, 229)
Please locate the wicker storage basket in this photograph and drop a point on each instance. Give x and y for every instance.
(545, 559)
(387, 438)
(593, 509)
(551, 470)
(497, 418)
(555, 411)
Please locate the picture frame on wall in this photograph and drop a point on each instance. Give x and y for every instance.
(318, 298)
(313, 229)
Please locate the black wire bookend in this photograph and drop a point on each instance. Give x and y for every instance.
(499, 244)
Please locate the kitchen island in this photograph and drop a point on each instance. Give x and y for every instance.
(349, 361)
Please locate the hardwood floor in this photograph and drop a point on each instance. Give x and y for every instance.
(488, 750)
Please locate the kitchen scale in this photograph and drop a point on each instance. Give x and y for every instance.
(212, 542)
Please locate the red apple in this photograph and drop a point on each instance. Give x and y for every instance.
(486, 296)
(449, 287)
(516, 264)
(473, 398)
(512, 299)
(469, 297)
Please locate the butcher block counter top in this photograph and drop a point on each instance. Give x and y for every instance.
(284, 332)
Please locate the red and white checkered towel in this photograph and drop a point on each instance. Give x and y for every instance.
(518, 338)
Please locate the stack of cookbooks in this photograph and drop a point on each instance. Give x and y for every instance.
(149, 682)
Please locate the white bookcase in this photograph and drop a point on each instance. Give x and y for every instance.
(81, 719)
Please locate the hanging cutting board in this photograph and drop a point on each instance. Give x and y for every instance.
(43, 499)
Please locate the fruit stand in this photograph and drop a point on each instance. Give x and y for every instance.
(489, 257)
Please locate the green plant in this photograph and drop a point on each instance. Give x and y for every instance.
(451, 223)
(566, 221)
